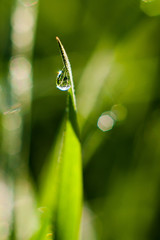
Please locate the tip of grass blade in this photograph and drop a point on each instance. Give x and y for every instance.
(57, 38)
(67, 65)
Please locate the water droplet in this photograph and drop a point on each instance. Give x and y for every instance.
(63, 81)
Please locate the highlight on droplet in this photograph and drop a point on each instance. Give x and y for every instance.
(105, 122)
(63, 82)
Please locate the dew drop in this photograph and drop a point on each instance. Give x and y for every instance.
(63, 82)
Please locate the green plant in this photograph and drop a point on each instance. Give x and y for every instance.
(61, 193)
(114, 50)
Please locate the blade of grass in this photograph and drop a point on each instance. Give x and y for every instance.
(62, 183)
(70, 187)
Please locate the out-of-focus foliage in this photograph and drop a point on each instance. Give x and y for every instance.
(151, 7)
(114, 50)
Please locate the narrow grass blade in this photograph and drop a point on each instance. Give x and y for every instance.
(62, 184)
(70, 187)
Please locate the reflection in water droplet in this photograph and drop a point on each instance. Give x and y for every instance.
(63, 81)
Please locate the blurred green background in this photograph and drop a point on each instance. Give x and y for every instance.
(114, 50)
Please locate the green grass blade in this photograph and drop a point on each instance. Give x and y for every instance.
(70, 187)
(49, 185)
(62, 187)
